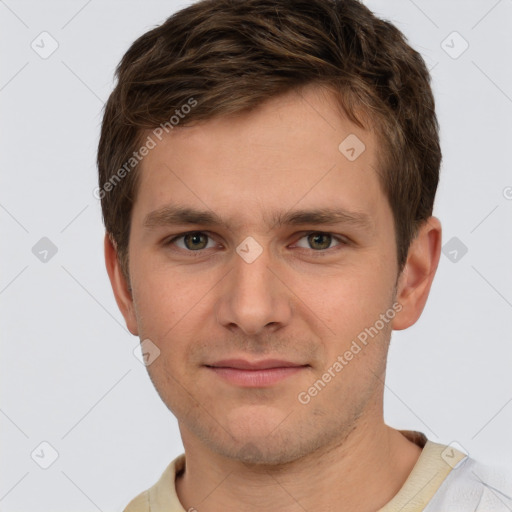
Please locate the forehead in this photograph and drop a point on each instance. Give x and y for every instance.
(295, 151)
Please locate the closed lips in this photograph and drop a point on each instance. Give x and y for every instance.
(240, 364)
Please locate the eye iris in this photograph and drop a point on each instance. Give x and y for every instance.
(315, 238)
(195, 237)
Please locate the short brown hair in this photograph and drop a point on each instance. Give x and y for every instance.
(229, 56)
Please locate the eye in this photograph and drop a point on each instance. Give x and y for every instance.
(193, 241)
(197, 241)
(320, 241)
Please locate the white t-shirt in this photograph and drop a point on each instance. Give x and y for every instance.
(443, 480)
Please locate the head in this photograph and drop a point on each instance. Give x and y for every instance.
(267, 116)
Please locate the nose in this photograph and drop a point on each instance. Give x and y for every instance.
(254, 298)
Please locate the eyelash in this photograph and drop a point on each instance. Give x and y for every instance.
(315, 253)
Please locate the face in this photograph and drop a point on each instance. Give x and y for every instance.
(259, 303)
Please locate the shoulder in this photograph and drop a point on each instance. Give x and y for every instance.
(161, 497)
(139, 504)
(473, 486)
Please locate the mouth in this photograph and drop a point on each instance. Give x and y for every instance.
(256, 373)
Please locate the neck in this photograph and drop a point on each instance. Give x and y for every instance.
(362, 472)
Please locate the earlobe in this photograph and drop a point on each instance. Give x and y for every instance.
(119, 285)
(416, 279)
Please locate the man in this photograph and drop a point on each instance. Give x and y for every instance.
(267, 171)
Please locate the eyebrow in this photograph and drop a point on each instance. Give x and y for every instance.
(179, 215)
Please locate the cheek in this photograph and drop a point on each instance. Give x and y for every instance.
(162, 298)
(172, 309)
(349, 299)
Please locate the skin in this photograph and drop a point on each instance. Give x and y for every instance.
(335, 452)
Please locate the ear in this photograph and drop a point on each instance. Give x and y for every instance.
(416, 278)
(120, 286)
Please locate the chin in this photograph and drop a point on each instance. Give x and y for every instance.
(265, 439)
(261, 452)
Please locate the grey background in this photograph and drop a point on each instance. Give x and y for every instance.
(68, 372)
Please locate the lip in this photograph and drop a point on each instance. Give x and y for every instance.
(242, 364)
(255, 373)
